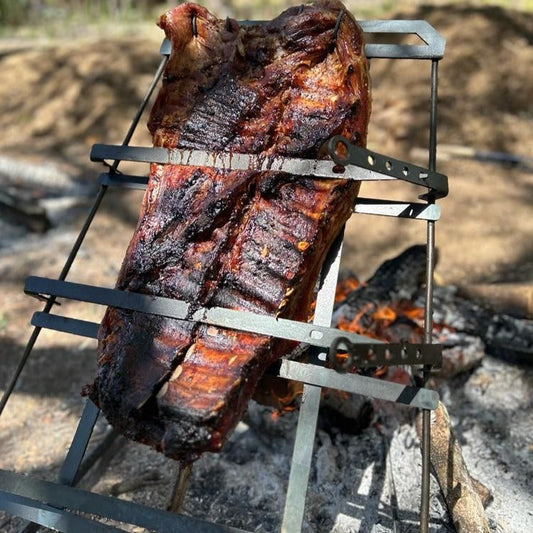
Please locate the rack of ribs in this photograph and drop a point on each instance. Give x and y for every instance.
(244, 240)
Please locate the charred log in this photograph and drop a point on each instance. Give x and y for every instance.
(390, 307)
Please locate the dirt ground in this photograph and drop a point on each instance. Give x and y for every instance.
(59, 98)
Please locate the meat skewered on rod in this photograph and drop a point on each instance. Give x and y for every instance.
(240, 239)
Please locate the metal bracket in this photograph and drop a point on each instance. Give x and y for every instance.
(235, 161)
(393, 208)
(346, 154)
(374, 353)
(359, 164)
(432, 47)
(344, 355)
(354, 383)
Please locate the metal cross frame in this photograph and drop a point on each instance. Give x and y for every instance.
(52, 504)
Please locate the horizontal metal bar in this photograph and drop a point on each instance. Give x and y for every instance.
(357, 384)
(392, 208)
(123, 511)
(283, 328)
(123, 180)
(228, 318)
(50, 517)
(359, 164)
(73, 326)
(98, 295)
(432, 47)
(235, 161)
(367, 354)
(368, 206)
(370, 355)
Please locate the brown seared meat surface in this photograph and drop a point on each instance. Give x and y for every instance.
(237, 239)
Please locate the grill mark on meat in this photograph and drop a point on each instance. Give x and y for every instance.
(239, 239)
(223, 109)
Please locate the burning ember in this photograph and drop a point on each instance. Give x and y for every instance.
(384, 307)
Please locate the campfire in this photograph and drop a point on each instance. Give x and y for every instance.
(389, 306)
(252, 470)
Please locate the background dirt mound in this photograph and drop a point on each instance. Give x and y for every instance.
(69, 96)
(485, 85)
(61, 99)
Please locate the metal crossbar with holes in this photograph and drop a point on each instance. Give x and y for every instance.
(367, 355)
(359, 165)
(59, 505)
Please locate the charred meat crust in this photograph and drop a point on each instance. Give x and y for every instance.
(237, 239)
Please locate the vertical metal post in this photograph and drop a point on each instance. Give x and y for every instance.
(307, 419)
(428, 320)
(180, 487)
(301, 460)
(69, 470)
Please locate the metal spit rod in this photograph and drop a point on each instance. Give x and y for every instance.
(428, 319)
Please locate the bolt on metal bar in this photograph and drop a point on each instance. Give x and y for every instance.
(81, 237)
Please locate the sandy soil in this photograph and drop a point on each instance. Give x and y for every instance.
(62, 97)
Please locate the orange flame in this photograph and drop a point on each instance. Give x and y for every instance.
(414, 313)
(384, 313)
(345, 287)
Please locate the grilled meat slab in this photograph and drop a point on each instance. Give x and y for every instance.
(243, 240)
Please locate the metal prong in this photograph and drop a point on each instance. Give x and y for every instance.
(194, 26)
(180, 487)
(338, 24)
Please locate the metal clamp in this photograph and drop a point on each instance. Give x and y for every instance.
(343, 354)
(431, 47)
(345, 153)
